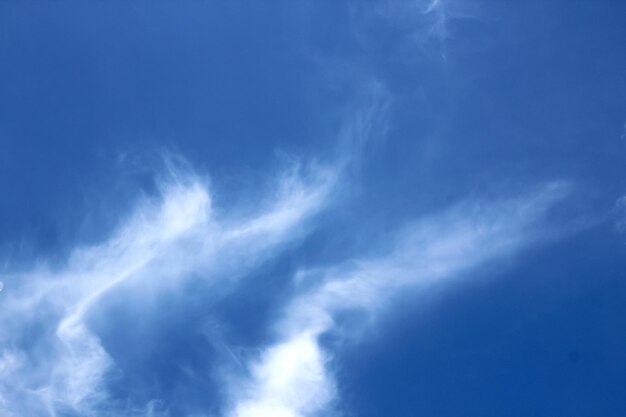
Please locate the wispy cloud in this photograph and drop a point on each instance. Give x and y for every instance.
(51, 363)
(423, 26)
(293, 377)
(620, 214)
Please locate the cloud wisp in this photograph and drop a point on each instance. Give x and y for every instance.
(424, 28)
(293, 377)
(52, 364)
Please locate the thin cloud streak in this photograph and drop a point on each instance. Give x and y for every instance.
(293, 378)
(620, 215)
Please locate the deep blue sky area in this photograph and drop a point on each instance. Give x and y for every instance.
(431, 193)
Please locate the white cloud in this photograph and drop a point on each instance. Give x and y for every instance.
(293, 378)
(65, 367)
(163, 242)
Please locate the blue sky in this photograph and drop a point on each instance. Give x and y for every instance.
(312, 208)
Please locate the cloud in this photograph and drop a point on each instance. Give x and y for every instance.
(620, 215)
(293, 378)
(51, 363)
(418, 27)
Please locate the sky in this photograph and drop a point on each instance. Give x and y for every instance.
(298, 208)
